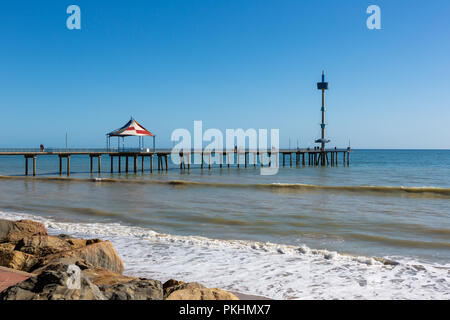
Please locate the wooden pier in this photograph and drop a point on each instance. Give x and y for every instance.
(302, 157)
(318, 156)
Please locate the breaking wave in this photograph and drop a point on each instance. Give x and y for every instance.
(426, 192)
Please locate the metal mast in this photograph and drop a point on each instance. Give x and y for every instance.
(322, 86)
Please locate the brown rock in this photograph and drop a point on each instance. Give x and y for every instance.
(13, 231)
(181, 286)
(43, 245)
(172, 283)
(7, 247)
(14, 259)
(201, 294)
(73, 242)
(5, 253)
(92, 241)
(99, 254)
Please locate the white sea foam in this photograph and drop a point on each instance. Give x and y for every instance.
(265, 269)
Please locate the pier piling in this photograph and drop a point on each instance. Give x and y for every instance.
(26, 165)
(151, 163)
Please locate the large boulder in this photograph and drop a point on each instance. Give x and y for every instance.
(98, 254)
(58, 282)
(13, 231)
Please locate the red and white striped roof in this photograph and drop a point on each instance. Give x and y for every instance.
(132, 128)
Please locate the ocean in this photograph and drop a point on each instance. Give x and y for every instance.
(305, 233)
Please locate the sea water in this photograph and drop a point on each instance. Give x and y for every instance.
(307, 232)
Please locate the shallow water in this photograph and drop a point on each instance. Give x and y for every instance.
(387, 203)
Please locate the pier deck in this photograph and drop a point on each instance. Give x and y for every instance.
(302, 157)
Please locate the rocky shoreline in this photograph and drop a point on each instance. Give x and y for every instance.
(40, 266)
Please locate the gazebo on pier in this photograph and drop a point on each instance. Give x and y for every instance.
(131, 128)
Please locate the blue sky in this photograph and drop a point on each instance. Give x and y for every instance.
(231, 64)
